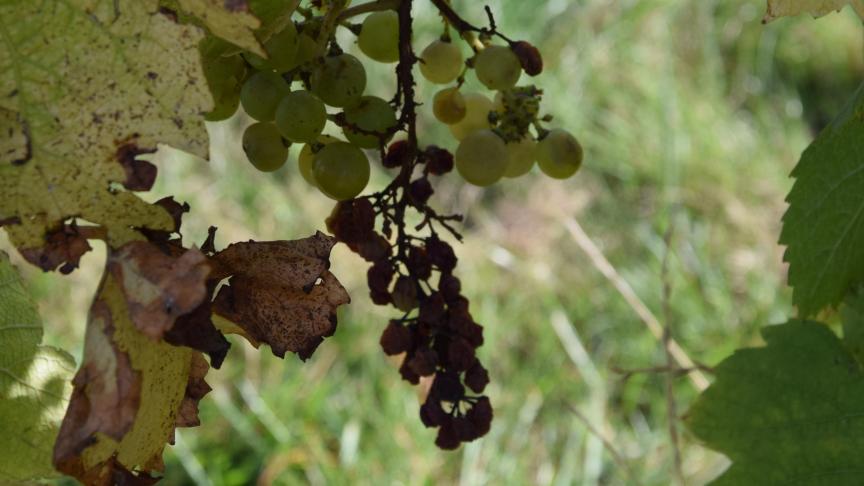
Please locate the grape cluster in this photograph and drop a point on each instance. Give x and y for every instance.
(436, 333)
(307, 82)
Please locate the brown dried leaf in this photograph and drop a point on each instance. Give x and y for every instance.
(159, 288)
(280, 292)
(133, 391)
(63, 247)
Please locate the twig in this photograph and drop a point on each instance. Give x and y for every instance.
(607, 444)
(671, 405)
(376, 6)
(602, 264)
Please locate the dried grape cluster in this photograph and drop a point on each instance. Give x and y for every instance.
(308, 81)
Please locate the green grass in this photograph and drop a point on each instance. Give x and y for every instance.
(692, 115)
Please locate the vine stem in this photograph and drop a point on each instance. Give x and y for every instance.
(376, 6)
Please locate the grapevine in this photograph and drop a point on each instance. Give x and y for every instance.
(412, 268)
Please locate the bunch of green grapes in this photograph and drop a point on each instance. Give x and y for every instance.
(495, 136)
(288, 93)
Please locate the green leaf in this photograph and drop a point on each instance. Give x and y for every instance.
(227, 20)
(34, 384)
(816, 8)
(86, 87)
(824, 225)
(791, 412)
(853, 324)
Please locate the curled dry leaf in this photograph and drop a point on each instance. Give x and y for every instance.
(280, 292)
(63, 248)
(132, 390)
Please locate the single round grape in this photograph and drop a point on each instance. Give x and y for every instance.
(341, 170)
(261, 94)
(306, 159)
(265, 147)
(307, 47)
(301, 116)
(449, 106)
(482, 158)
(370, 114)
(497, 67)
(477, 108)
(224, 75)
(441, 62)
(282, 48)
(379, 36)
(521, 156)
(340, 80)
(559, 155)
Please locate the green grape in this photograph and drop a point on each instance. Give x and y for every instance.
(371, 114)
(265, 147)
(521, 157)
(224, 75)
(340, 80)
(306, 159)
(379, 36)
(559, 155)
(306, 50)
(477, 108)
(448, 106)
(482, 158)
(441, 62)
(282, 48)
(497, 67)
(261, 94)
(498, 102)
(301, 116)
(257, 62)
(341, 170)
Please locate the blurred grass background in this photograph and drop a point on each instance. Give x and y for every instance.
(692, 115)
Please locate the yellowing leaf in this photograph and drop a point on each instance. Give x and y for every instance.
(816, 8)
(34, 384)
(229, 20)
(132, 391)
(89, 85)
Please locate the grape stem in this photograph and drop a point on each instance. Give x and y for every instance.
(464, 27)
(368, 7)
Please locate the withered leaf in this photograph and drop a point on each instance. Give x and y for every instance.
(280, 292)
(63, 247)
(132, 391)
(158, 288)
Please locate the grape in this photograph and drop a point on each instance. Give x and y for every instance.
(482, 158)
(261, 94)
(521, 157)
(264, 147)
(559, 155)
(341, 170)
(497, 67)
(441, 62)
(224, 75)
(340, 80)
(448, 106)
(307, 47)
(370, 114)
(301, 116)
(306, 159)
(282, 48)
(379, 36)
(477, 108)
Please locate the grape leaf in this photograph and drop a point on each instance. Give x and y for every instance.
(34, 384)
(132, 390)
(86, 87)
(816, 8)
(229, 20)
(853, 324)
(280, 292)
(823, 228)
(786, 413)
